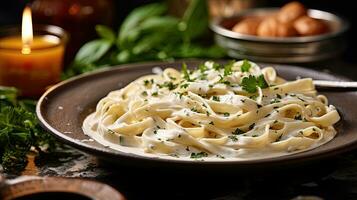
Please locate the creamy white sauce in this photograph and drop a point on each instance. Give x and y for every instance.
(165, 116)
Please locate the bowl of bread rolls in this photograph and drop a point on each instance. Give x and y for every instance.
(290, 34)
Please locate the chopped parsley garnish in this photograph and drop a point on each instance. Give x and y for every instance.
(208, 114)
(279, 138)
(215, 98)
(228, 68)
(172, 78)
(155, 131)
(216, 66)
(245, 66)
(203, 76)
(238, 132)
(261, 82)
(219, 156)
(251, 126)
(259, 106)
(146, 82)
(226, 114)
(274, 101)
(233, 138)
(155, 94)
(194, 110)
(278, 96)
(223, 81)
(267, 115)
(211, 123)
(198, 155)
(111, 131)
(144, 93)
(202, 68)
(186, 74)
(301, 99)
(169, 85)
(210, 86)
(255, 135)
(249, 84)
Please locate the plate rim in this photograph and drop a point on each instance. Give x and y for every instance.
(111, 153)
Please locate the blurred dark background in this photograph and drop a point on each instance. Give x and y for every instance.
(113, 12)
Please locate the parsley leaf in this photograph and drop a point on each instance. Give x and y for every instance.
(238, 132)
(184, 85)
(249, 84)
(202, 67)
(261, 82)
(233, 138)
(245, 66)
(169, 85)
(228, 68)
(216, 66)
(215, 98)
(186, 74)
(199, 155)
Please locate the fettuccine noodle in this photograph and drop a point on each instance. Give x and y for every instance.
(233, 111)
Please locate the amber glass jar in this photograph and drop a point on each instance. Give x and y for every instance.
(77, 17)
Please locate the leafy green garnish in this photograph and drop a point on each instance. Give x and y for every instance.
(185, 85)
(186, 74)
(227, 69)
(93, 51)
(233, 138)
(215, 98)
(261, 82)
(251, 83)
(105, 32)
(168, 84)
(19, 131)
(245, 66)
(238, 132)
(148, 33)
(195, 20)
(198, 155)
(226, 114)
(202, 68)
(144, 93)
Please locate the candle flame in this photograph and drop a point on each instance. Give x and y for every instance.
(27, 33)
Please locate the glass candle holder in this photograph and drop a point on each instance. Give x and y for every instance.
(31, 72)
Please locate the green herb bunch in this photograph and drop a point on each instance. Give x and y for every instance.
(19, 131)
(148, 33)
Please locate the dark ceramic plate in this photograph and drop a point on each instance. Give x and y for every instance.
(62, 109)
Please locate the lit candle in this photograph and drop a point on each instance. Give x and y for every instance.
(32, 60)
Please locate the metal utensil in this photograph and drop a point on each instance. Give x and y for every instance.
(335, 84)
